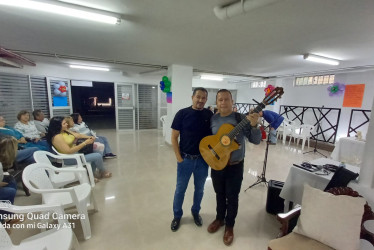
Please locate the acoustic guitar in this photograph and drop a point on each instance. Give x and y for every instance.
(216, 149)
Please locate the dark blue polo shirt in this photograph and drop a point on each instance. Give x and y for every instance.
(193, 126)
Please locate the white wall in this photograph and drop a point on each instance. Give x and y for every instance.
(315, 95)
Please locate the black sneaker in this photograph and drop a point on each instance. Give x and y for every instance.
(175, 224)
(198, 220)
(110, 156)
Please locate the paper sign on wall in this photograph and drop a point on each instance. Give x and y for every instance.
(353, 95)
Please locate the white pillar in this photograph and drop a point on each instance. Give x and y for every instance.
(365, 186)
(181, 88)
(367, 167)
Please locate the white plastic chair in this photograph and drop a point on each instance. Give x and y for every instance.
(81, 162)
(62, 179)
(304, 134)
(36, 179)
(288, 128)
(61, 238)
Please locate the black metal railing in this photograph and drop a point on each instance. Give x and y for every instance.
(244, 108)
(327, 118)
(359, 118)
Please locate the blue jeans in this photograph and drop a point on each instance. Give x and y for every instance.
(8, 192)
(273, 135)
(26, 155)
(186, 168)
(95, 159)
(104, 140)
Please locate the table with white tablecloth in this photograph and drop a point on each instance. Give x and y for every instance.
(293, 187)
(349, 150)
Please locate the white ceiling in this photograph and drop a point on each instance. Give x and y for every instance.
(268, 41)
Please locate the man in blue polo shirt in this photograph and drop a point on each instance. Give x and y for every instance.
(191, 124)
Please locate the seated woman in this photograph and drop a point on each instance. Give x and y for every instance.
(97, 147)
(81, 127)
(64, 141)
(8, 186)
(22, 143)
(27, 127)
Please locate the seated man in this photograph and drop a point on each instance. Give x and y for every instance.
(40, 122)
(81, 127)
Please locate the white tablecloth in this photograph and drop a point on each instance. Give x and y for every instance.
(294, 185)
(349, 150)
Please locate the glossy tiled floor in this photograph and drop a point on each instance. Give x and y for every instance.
(135, 205)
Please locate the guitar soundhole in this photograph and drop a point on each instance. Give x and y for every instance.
(214, 152)
(225, 140)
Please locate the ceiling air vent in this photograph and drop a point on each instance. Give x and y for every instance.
(13, 60)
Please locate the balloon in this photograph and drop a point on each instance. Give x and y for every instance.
(165, 78)
(166, 90)
(167, 84)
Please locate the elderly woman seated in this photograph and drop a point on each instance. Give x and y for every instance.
(81, 127)
(22, 142)
(27, 127)
(65, 142)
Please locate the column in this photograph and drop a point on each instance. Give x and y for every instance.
(181, 87)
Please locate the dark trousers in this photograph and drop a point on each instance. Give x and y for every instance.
(227, 184)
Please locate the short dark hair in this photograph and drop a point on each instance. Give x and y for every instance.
(36, 113)
(223, 90)
(21, 113)
(200, 89)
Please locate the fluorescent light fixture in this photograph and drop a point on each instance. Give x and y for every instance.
(321, 59)
(211, 77)
(66, 9)
(88, 67)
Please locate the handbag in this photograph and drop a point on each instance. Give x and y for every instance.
(88, 149)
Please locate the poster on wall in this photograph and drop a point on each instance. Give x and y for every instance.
(60, 98)
(354, 93)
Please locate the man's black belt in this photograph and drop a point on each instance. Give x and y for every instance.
(190, 157)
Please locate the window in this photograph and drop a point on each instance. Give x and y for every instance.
(261, 84)
(315, 80)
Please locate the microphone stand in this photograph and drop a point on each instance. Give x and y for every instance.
(261, 178)
(318, 128)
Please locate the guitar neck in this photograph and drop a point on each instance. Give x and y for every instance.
(244, 122)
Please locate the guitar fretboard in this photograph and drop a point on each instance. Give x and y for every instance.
(244, 122)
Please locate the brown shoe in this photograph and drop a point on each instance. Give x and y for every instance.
(215, 225)
(228, 237)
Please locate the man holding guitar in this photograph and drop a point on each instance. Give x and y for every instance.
(191, 125)
(227, 180)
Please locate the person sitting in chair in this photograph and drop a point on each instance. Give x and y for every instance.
(81, 127)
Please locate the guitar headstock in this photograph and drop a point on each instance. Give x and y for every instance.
(273, 96)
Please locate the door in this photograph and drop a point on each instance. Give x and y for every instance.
(125, 112)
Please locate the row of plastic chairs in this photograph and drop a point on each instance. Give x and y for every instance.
(295, 132)
(45, 179)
